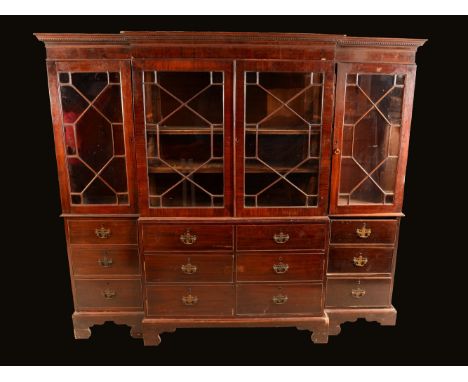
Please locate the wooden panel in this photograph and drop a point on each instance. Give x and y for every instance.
(104, 260)
(211, 300)
(301, 236)
(188, 268)
(360, 260)
(258, 299)
(279, 266)
(120, 231)
(107, 294)
(358, 292)
(381, 231)
(168, 237)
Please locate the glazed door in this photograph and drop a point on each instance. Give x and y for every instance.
(372, 121)
(93, 128)
(183, 112)
(283, 123)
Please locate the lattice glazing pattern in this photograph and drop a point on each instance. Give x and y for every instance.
(283, 117)
(184, 117)
(371, 138)
(94, 137)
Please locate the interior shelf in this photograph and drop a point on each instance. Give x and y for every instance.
(218, 168)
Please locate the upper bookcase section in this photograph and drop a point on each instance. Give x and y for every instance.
(230, 45)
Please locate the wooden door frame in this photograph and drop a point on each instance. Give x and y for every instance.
(326, 67)
(371, 68)
(138, 67)
(123, 67)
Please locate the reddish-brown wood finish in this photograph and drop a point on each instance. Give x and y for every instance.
(326, 68)
(140, 133)
(255, 237)
(259, 299)
(351, 259)
(111, 294)
(358, 292)
(345, 231)
(233, 247)
(211, 300)
(365, 68)
(104, 261)
(271, 266)
(120, 231)
(158, 237)
(189, 267)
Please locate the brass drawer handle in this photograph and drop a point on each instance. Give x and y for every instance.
(108, 293)
(280, 299)
(188, 268)
(103, 233)
(360, 261)
(358, 292)
(280, 267)
(189, 300)
(363, 232)
(280, 238)
(105, 262)
(187, 238)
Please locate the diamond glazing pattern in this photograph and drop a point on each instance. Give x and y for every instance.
(371, 138)
(94, 137)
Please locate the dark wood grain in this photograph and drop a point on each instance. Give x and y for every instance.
(213, 300)
(382, 231)
(340, 292)
(257, 299)
(311, 236)
(90, 294)
(158, 237)
(259, 266)
(209, 267)
(232, 237)
(104, 261)
(82, 231)
(341, 259)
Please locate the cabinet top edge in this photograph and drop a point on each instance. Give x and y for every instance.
(157, 37)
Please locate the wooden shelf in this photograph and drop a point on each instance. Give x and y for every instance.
(183, 130)
(218, 168)
(282, 132)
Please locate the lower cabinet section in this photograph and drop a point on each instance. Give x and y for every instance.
(276, 299)
(108, 294)
(192, 300)
(358, 292)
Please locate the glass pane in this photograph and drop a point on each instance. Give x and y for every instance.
(94, 137)
(283, 115)
(371, 138)
(185, 141)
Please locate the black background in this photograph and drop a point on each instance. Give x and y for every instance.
(430, 289)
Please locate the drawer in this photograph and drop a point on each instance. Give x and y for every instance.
(281, 237)
(108, 294)
(358, 292)
(158, 237)
(190, 300)
(104, 260)
(363, 231)
(279, 299)
(102, 231)
(271, 266)
(189, 267)
(360, 260)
